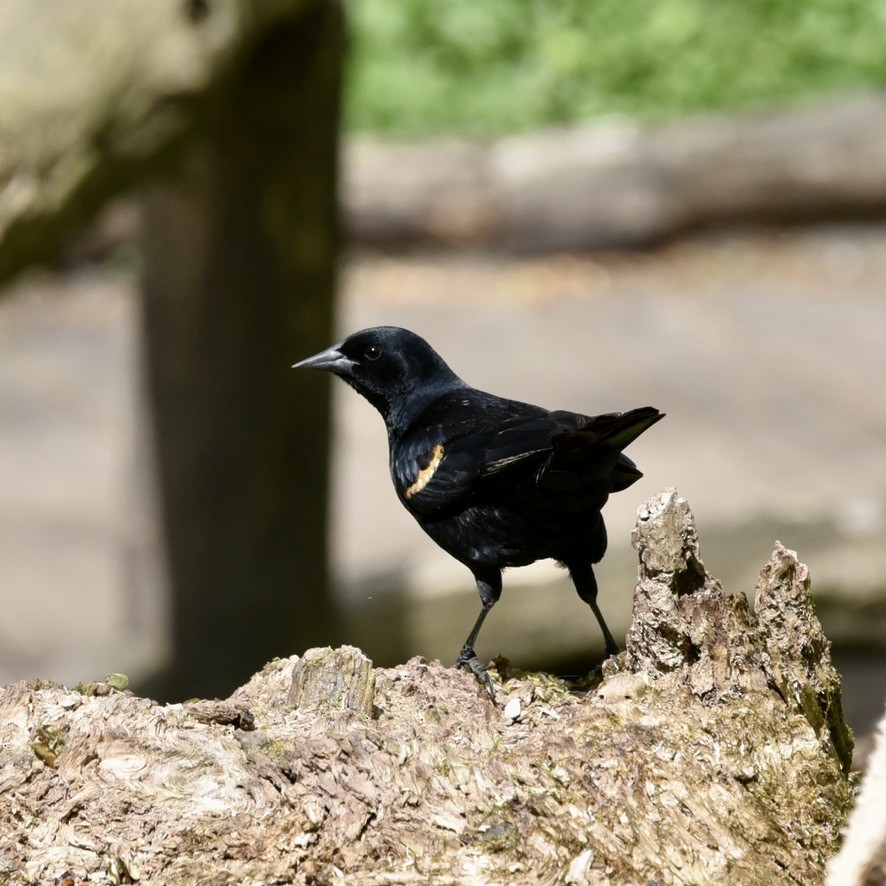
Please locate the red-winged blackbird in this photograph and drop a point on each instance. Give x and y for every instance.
(494, 482)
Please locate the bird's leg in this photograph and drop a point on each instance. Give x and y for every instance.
(489, 587)
(586, 584)
(467, 658)
(612, 648)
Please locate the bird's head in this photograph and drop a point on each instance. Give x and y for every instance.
(394, 369)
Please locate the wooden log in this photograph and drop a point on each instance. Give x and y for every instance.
(616, 184)
(686, 763)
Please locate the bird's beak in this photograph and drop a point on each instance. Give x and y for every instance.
(330, 360)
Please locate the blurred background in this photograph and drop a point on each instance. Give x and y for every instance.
(589, 206)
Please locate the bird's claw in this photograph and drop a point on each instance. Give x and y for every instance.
(468, 660)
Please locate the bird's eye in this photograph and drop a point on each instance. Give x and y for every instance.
(373, 352)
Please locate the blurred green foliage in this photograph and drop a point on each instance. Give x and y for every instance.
(491, 66)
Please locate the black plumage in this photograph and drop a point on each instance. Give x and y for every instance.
(494, 482)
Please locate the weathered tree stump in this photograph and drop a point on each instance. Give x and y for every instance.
(713, 751)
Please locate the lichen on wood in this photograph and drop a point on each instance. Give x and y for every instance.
(327, 681)
(797, 656)
(700, 756)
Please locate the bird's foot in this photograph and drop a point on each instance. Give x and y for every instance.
(609, 666)
(467, 660)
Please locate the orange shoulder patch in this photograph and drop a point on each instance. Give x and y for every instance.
(426, 473)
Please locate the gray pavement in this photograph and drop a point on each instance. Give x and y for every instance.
(766, 350)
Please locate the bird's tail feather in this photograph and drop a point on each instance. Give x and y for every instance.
(592, 454)
(626, 426)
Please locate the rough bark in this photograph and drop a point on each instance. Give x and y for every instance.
(93, 95)
(688, 762)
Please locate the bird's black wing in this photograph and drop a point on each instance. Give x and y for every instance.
(466, 445)
(587, 456)
(448, 453)
(463, 448)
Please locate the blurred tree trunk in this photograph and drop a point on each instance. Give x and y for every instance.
(239, 280)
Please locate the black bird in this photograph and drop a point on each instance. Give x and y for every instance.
(494, 482)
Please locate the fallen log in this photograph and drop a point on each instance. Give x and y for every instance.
(713, 750)
(620, 183)
(609, 185)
